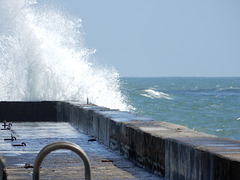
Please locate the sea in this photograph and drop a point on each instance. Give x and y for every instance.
(210, 105)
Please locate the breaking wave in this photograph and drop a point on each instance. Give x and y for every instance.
(43, 57)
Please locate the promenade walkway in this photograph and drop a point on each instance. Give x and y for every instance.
(62, 164)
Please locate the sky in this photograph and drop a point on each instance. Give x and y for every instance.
(162, 38)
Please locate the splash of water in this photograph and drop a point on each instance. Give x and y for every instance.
(42, 57)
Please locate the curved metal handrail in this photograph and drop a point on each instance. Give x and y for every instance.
(61, 145)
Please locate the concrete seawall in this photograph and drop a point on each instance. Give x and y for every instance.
(170, 150)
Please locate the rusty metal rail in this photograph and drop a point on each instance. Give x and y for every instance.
(61, 145)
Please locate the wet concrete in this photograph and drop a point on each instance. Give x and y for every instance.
(61, 164)
(167, 149)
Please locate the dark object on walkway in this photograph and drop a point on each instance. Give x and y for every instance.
(22, 144)
(107, 160)
(6, 129)
(27, 165)
(6, 126)
(12, 138)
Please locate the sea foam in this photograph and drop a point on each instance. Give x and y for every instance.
(150, 93)
(43, 57)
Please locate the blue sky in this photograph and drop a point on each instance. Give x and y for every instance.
(162, 37)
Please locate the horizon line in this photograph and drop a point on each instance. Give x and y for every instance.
(179, 76)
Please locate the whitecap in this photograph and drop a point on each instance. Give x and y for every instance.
(150, 93)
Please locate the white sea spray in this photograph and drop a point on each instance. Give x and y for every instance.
(43, 57)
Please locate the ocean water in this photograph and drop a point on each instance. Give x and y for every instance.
(210, 105)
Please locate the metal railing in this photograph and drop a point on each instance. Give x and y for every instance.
(61, 145)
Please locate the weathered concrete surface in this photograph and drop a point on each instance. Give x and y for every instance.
(62, 164)
(170, 150)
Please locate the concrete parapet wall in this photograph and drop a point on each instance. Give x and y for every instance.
(171, 150)
(28, 111)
